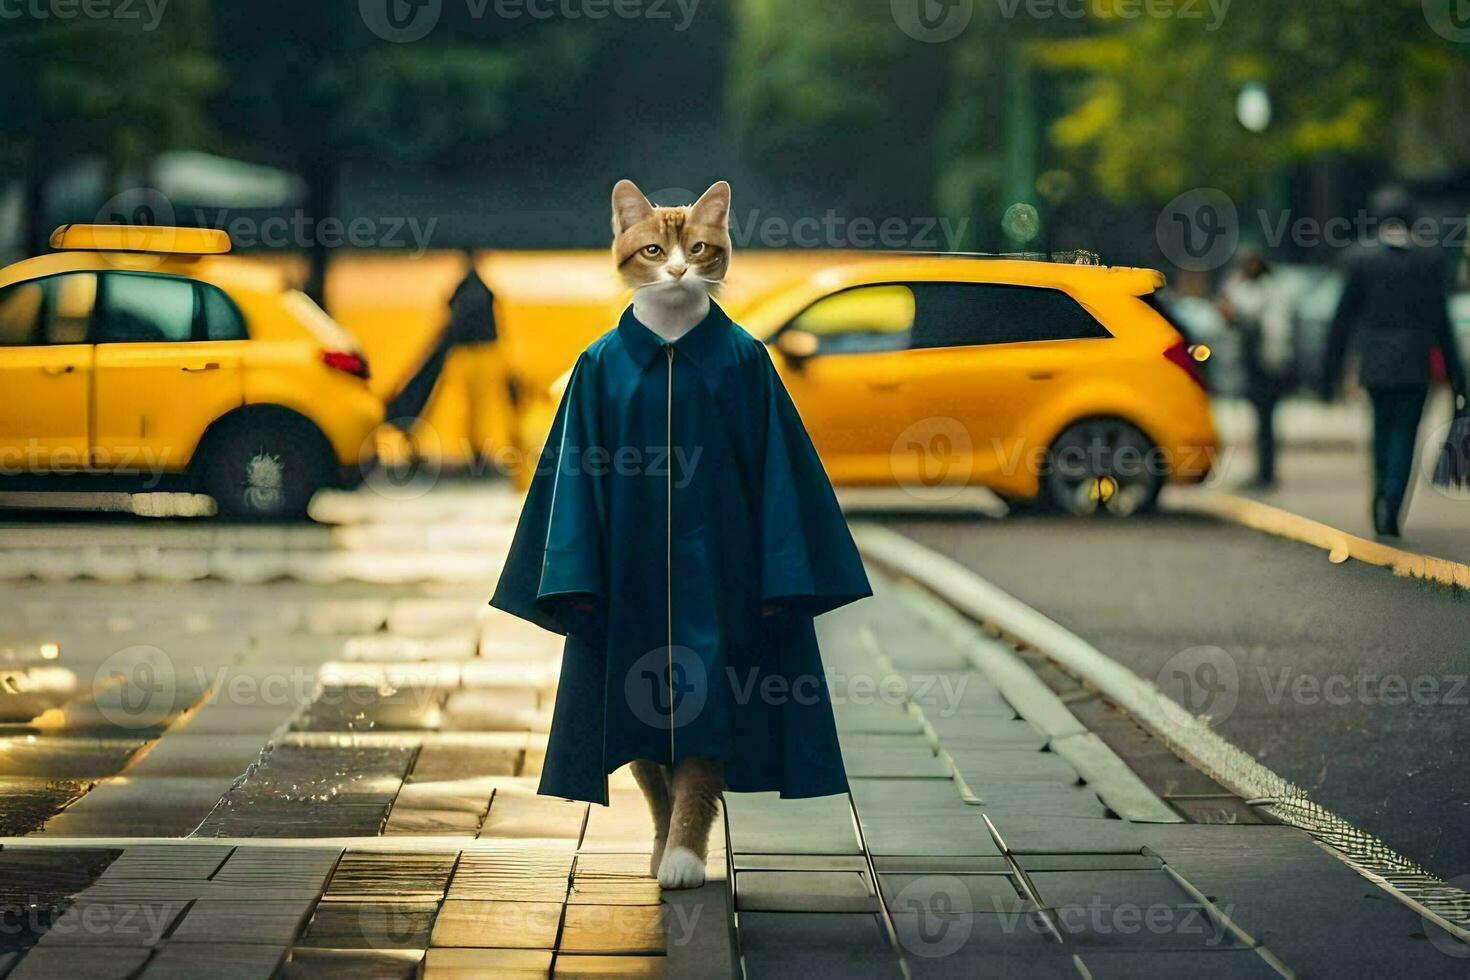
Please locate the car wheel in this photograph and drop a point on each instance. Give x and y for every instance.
(1103, 466)
(264, 470)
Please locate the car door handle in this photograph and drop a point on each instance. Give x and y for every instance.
(1041, 375)
(206, 366)
(55, 369)
(884, 385)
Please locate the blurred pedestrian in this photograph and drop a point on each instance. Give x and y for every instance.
(1258, 310)
(1394, 306)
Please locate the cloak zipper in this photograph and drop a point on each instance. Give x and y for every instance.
(669, 540)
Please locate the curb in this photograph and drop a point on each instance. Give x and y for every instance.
(1185, 734)
(1339, 544)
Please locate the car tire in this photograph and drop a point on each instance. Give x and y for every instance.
(1103, 467)
(265, 468)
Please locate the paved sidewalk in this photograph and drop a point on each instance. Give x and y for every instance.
(333, 774)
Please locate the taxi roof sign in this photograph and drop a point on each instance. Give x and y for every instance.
(159, 239)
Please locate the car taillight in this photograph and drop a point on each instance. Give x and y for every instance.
(1189, 357)
(346, 361)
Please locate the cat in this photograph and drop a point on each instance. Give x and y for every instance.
(674, 258)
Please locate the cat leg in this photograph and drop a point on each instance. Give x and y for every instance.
(697, 787)
(653, 779)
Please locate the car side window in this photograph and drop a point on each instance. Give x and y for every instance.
(972, 314)
(53, 310)
(144, 308)
(864, 320)
(20, 314)
(70, 301)
(222, 319)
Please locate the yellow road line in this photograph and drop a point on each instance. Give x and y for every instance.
(1339, 544)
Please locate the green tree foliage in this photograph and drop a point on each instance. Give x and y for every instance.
(313, 88)
(120, 87)
(1152, 101)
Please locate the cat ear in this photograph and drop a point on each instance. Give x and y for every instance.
(714, 207)
(629, 206)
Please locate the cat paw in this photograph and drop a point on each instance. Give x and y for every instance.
(658, 856)
(681, 868)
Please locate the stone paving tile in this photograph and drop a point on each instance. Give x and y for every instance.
(370, 925)
(465, 795)
(613, 929)
(497, 924)
(61, 757)
(598, 891)
(91, 963)
(578, 965)
(404, 875)
(125, 806)
(226, 961)
(514, 815)
(875, 762)
(244, 922)
(186, 754)
(992, 893)
(438, 761)
(1144, 888)
(409, 822)
(1127, 861)
(1225, 964)
(764, 823)
(167, 862)
(806, 945)
(931, 934)
(1026, 834)
(278, 867)
(128, 923)
(470, 964)
(351, 964)
(804, 891)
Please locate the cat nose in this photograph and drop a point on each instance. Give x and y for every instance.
(677, 271)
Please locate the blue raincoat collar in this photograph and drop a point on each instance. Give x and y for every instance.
(701, 345)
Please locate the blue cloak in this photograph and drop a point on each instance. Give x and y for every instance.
(681, 533)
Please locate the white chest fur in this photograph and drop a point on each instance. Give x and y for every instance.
(670, 312)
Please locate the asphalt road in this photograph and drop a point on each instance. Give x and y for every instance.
(1350, 682)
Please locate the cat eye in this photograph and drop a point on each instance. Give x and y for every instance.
(652, 250)
(698, 247)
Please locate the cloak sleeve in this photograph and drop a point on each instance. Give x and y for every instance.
(555, 561)
(809, 564)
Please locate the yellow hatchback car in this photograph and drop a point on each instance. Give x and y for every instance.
(1051, 383)
(145, 358)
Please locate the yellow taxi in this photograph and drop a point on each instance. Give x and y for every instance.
(143, 358)
(1060, 384)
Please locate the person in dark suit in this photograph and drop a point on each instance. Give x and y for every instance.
(1394, 307)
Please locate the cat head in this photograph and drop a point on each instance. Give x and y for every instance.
(678, 250)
